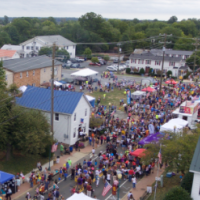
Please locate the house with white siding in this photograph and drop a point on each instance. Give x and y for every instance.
(195, 168)
(32, 46)
(71, 111)
(149, 61)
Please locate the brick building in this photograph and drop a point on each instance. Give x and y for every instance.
(31, 71)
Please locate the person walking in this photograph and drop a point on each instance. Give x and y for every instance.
(134, 181)
(8, 194)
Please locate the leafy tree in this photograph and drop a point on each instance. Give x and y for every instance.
(45, 51)
(64, 54)
(128, 70)
(106, 58)
(177, 150)
(87, 53)
(177, 193)
(13, 33)
(126, 47)
(5, 20)
(94, 59)
(184, 43)
(187, 181)
(172, 19)
(142, 71)
(95, 122)
(4, 38)
(169, 72)
(190, 60)
(2, 77)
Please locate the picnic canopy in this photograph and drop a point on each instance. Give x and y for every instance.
(151, 138)
(148, 89)
(138, 94)
(171, 82)
(91, 100)
(174, 125)
(85, 72)
(56, 83)
(23, 88)
(81, 196)
(138, 152)
(4, 177)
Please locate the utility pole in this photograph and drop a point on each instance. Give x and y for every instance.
(196, 44)
(163, 59)
(118, 57)
(52, 87)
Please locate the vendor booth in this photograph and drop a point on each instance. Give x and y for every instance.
(148, 89)
(138, 152)
(91, 100)
(80, 196)
(85, 73)
(174, 125)
(153, 138)
(7, 180)
(138, 94)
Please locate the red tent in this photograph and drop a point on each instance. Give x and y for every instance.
(138, 152)
(148, 89)
(171, 82)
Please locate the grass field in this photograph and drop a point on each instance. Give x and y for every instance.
(168, 184)
(112, 97)
(18, 163)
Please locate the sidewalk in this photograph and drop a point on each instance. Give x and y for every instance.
(141, 186)
(74, 156)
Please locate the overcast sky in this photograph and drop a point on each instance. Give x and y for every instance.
(122, 9)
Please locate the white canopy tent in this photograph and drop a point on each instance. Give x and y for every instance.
(22, 88)
(138, 94)
(89, 98)
(79, 196)
(56, 83)
(85, 72)
(174, 125)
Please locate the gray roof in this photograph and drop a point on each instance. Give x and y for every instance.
(150, 56)
(171, 51)
(195, 165)
(48, 40)
(26, 64)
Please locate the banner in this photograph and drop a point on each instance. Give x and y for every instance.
(128, 97)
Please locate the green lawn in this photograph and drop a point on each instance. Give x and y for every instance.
(112, 97)
(168, 184)
(18, 163)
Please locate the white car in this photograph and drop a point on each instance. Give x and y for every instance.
(112, 68)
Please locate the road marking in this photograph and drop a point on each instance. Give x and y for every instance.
(119, 186)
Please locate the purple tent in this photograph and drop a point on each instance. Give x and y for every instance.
(151, 138)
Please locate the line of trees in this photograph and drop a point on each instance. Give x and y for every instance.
(92, 27)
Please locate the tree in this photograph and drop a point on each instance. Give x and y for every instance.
(177, 150)
(177, 193)
(4, 38)
(127, 47)
(5, 20)
(128, 70)
(63, 54)
(106, 58)
(169, 72)
(87, 53)
(187, 181)
(2, 77)
(190, 60)
(95, 122)
(141, 71)
(45, 51)
(172, 19)
(94, 59)
(13, 33)
(184, 43)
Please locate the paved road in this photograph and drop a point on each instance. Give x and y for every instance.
(65, 186)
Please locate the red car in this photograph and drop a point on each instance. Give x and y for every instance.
(95, 64)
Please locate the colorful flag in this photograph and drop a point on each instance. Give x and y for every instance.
(160, 157)
(106, 188)
(54, 147)
(82, 120)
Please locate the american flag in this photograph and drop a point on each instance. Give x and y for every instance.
(54, 147)
(106, 188)
(82, 120)
(160, 157)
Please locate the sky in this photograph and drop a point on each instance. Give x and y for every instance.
(120, 9)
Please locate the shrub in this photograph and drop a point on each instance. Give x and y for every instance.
(94, 59)
(168, 73)
(177, 193)
(106, 58)
(128, 70)
(141, 71)
(186, 76)
(95, 122)
(45, 154)
(187, 182)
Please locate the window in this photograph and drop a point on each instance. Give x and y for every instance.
(23, 47)
(74, 135)
(85, 112)
(133, 60)
(33, 72)
(66, 47)
(73, 47)
(33, 84)
(44, 69)
(31, 47)
(148, 62)
(140, 61)
(20, 75)
(157, 62)
(171, 63)
(70, 54)
(74, 116)
(6, 78)
(27, 47)
(36, 48)
(56, 116)
(26, 74)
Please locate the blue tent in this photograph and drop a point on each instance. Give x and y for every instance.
(91, 100)
(4, 177)
(63, 82)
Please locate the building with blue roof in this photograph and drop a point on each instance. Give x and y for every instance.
(71, 111)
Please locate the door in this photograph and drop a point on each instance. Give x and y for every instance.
(147, 69)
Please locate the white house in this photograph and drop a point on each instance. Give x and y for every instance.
(148, 60)
(71, 111)
(31, 47)
(17, 48)
(195, 168)
(8, 54)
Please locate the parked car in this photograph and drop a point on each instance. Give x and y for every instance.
(73, 60)
(80, 59)
(95, 64)
(116, 60)
(112, 68)
(75, 65)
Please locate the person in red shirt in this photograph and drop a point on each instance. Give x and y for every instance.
(130, 174)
